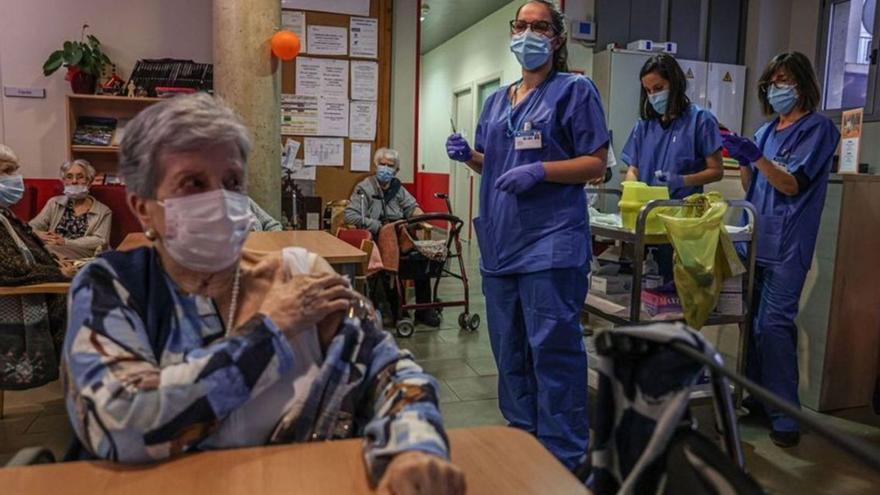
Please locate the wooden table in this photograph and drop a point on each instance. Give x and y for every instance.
(344, 257)
(496, 460)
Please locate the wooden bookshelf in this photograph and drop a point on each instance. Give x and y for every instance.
(103, 158)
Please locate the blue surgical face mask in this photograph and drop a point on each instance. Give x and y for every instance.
(782, 98)
(11, 189)
(384, 173)
(660, 101)
(532, 50)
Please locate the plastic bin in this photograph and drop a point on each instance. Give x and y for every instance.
(635, 196)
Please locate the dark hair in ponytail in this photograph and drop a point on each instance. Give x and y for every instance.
(560, 56)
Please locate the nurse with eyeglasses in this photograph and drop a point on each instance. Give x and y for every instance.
(538, 141)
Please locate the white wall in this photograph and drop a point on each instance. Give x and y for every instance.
(130, 30)
(405, 51)
(478, 53)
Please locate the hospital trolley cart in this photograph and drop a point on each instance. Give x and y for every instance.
(640, 239)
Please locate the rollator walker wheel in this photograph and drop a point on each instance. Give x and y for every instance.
(468, 321)
(405, 328)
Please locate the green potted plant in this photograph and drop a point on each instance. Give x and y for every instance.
(84, 60)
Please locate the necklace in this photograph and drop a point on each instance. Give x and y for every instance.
(233, 301)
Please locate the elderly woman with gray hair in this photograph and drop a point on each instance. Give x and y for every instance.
(381, 199)
(189, 345)
(74, 225)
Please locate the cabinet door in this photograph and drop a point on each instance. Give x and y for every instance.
(726, 25)
(684, 27)
(726, 90)
(697, 74)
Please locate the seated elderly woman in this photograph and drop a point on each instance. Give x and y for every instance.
(182, 346)
(263, 221)
(31, 326)
(381, 199)
(74, 225)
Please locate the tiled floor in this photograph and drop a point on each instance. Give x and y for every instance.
(462, 362)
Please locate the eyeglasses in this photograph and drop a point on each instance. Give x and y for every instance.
(540, 27)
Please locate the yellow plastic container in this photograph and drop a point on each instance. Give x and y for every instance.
(635, 196)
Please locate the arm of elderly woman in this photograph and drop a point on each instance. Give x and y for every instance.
(125, 406)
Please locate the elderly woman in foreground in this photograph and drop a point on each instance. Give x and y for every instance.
(181, 347)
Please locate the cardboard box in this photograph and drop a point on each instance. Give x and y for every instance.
(610, 284)
(656, 303)
(733, 285)
(730, 304)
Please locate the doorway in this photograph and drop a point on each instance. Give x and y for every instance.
(460, 174)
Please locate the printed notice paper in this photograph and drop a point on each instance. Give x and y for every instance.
(299, 115)
(328, 40)
(332, 116)
(350, 7)
(288, 153)
(850, 141)
(364, 37)
(364, 80)
(360, 157)
(326, 152)
(362, 122)
(295, 22)
(321, 77)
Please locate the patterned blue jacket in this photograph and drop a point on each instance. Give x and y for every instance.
(149, 373)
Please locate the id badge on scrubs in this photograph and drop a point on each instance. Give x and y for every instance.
(527, 139)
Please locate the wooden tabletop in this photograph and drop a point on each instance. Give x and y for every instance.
(496, 460)
(332, 249)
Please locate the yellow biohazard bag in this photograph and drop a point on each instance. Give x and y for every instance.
(704, 253)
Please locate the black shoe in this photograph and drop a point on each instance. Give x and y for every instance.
(785, 439)
(428, 317)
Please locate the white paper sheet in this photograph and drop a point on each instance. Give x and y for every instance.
(364, 37)
(350, 7)
(327, 40)
(288, 153)
(332, 116)
(361, 156)
(364, 80)
(324, 152)
(295, 21)
(321, 77)
(299, 115)
(301, 171)
(362, 122)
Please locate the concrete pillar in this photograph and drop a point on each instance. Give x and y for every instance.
(248, 78)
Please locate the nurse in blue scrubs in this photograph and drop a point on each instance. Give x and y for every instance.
(538, 141)
(784, 171)
(676, 143)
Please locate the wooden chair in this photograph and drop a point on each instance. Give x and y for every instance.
(24, 290)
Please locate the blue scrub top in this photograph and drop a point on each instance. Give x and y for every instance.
(545, 227)
(788, 225)
(681, 148)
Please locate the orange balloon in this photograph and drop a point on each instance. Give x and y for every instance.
(285, 45)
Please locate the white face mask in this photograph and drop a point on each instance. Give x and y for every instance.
(205, 232)
(76, 191)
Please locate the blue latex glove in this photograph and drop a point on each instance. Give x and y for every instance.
(457, 148)
(672, 181)
(742, 149)
(520, 179)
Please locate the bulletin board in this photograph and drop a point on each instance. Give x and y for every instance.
(333, 183)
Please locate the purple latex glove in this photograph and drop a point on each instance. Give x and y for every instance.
(742, 149)
(457, 148)
(671, 181)
(520, 179)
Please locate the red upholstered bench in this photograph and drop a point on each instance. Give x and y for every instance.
(39, 191)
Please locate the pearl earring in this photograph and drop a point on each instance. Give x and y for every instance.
(151, 234)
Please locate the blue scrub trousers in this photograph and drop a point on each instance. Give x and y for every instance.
(772, 359)
(537, 340)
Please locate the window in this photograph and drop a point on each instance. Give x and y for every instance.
(484, 91)
(849, 75)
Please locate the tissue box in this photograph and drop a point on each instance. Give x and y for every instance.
(656, 303)
(610, 284)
